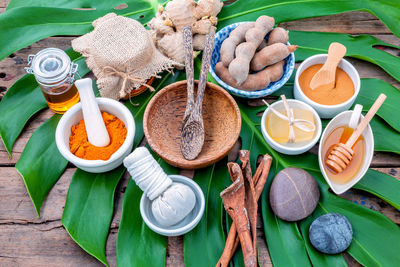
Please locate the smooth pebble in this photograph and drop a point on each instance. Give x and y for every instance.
(294, 194)
(331, 233)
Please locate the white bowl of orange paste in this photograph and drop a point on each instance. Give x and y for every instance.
(74, 115)
(327, 103)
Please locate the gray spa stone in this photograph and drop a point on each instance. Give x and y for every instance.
(331, 233)
(294, 194)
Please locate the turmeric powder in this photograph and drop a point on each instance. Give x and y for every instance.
(80, 146)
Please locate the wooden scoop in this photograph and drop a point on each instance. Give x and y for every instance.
(192, 134)
(341, 155)
(95, 128)
(325, 77)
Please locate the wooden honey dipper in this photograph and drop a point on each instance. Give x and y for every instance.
(341, 155)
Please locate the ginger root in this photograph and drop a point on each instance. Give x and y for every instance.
(240, 66)
(174, 52)
(199, 41)
(168, 23)
(270, 55)
(256, 81)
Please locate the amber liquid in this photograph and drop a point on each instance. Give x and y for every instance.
(61, 98)
(341, 135)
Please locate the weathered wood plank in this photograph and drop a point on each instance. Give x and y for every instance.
(41, 245)
(350, 22)
(12, 67)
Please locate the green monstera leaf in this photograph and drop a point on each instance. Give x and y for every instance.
(87, 217)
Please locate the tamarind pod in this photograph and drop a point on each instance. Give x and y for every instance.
(270, 55)
(240, 66)
(262, 45)
(266, 23)
(276, 71)
(254, 82)
(237, 36)
(278, 35)
(256, 34)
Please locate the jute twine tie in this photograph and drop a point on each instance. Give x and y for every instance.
(126, 76)
(304, 125)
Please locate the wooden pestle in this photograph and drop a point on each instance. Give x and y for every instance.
(341, 155)
(326, 76)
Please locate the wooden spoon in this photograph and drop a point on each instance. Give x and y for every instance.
(325, 77)
(341, 155)
(192, 134)
(188, 44)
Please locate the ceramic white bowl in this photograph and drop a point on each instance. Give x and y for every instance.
(285, 149)
(327, 111)
(184, 226)
(74, 115)
(341, 120)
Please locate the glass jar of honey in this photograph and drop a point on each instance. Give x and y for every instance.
(54, 73)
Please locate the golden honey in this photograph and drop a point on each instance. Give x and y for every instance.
(60, 99)
(54, 72)
(341, 135)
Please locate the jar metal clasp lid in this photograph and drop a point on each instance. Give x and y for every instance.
(72, 70)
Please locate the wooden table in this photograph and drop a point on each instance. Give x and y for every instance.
(26, 240)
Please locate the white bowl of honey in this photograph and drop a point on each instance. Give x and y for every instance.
(74, 115)
(276, 131)
(328, 103)
(338, 131)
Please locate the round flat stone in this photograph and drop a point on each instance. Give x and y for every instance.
(331, 233)
(294, 194)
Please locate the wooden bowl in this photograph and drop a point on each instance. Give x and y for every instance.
(163, 117)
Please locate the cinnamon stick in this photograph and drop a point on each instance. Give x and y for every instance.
(233, 199)
(232, 241)
(250, 195)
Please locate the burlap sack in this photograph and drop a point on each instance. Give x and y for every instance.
(121, 54)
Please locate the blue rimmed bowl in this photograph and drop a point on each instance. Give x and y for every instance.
(220, 36)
